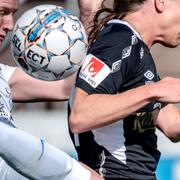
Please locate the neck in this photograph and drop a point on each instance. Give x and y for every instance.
(143, 26)
(146, 24)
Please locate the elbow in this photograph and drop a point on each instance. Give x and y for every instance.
(168, 120)
(76, 123)
(173, 134)
(174, 138)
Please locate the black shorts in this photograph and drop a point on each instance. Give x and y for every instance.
(111, 168)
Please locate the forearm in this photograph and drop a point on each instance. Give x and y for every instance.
(29, 156)
(97, 110)
(32, 96)
(27, 89)
(168, 121)
(87, 10)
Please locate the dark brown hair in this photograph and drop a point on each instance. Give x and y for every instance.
(119, 10)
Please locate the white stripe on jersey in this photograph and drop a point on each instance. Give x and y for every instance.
(112, 138)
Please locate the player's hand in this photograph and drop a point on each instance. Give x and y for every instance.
(167, 90)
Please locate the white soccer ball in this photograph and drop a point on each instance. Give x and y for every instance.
(48, 42)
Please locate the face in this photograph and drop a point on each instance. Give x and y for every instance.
(7, 10)
(171, 24)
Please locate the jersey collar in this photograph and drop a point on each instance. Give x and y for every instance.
(127, 24)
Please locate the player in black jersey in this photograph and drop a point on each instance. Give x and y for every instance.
(31, 157)
(119, 100)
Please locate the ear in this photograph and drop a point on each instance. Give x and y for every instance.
(160, 5)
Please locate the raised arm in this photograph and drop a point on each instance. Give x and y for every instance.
(27, 89)
(87, 9)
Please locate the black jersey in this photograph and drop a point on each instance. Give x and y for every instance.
(116, 62)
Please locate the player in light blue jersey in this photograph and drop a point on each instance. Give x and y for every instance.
(26, 157)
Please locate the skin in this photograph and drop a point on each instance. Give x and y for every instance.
(23, 87)
(27, 89)
(7, 9)
(88, 10)
(164, 21)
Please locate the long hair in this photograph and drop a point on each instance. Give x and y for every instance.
(119, 10)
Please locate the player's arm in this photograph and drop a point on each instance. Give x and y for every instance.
(92, 111)
(103, 109)
(26, 88)
(87, 9)
(38, 155)
(168, 121)
(94, 174)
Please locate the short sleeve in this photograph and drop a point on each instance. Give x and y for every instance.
(7, 71)
(111, 61)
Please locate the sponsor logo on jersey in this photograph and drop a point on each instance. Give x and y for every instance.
(126, 52)
(94, 71)
(149, 75)
(116, 66)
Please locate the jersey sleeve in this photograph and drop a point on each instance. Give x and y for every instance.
(111, 61)
(7, 71)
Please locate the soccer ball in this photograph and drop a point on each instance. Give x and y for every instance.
(48, 42)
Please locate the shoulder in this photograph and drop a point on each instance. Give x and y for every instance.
(116, 32)
(116, 35)
(116, 41)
